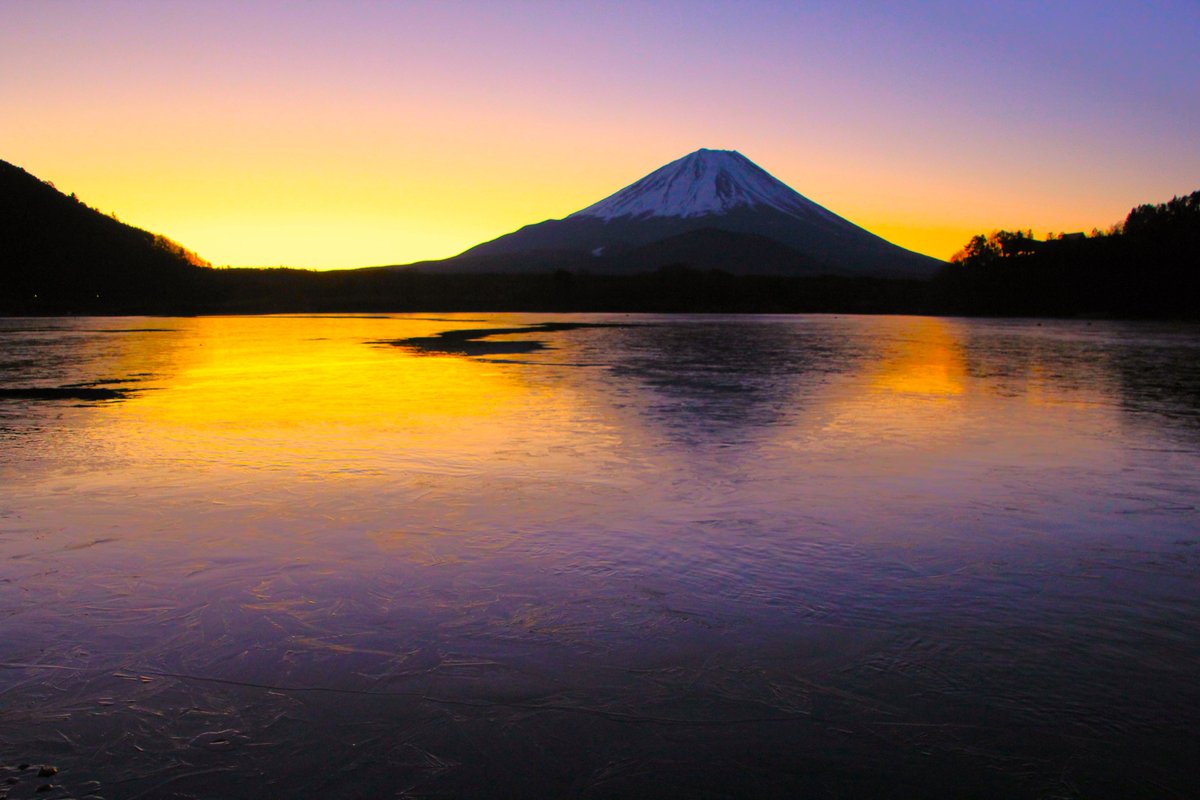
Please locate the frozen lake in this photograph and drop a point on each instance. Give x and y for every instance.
(625, 556)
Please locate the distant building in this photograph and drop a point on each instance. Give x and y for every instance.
(1019, 245)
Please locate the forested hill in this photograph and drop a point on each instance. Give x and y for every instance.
(58, 254)
(1146, 266)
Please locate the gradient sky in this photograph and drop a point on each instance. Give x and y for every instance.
(341, 134)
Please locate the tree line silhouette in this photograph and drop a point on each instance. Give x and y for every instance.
(1146, 266)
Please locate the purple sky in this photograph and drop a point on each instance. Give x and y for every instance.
(346, 134)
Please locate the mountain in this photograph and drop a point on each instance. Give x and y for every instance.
(708, 190)
(57, 254)
(711, 249)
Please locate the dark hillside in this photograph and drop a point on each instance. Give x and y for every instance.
(57, 255)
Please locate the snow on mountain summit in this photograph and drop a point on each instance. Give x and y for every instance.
(701, 183)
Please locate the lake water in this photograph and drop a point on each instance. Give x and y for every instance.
(642, 556)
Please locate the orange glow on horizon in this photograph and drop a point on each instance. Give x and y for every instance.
(333, 135)
(381, 209)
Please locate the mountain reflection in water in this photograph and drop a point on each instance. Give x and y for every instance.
(650, 556)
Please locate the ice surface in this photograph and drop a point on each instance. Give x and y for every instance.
(651, 556)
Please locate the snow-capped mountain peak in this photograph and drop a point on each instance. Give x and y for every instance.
(711, 207)
(702, 183)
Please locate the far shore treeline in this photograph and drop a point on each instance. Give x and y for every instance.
(1146, 266)
(58, 256)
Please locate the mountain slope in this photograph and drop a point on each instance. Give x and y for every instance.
(57, 254)
(716, 190)
(711, 248)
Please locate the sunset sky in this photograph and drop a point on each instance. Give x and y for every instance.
(342, 134)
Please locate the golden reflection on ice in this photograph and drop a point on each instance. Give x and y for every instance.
(924, 358)
(252, 378)
(240, 393)
(911, 394)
